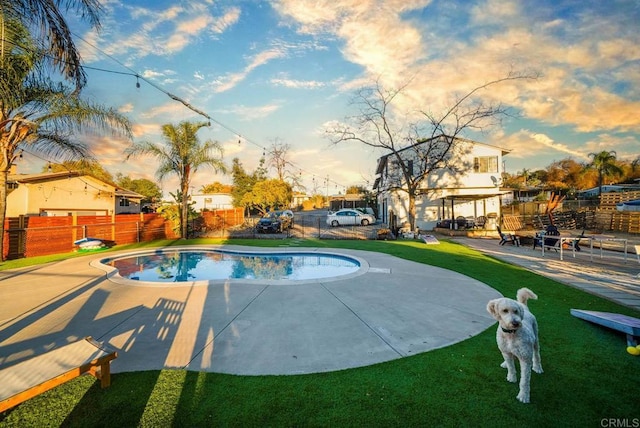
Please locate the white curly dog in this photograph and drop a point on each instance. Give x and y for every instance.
(517, 337)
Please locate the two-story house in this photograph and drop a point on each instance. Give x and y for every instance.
(67, 193)
(454, 177)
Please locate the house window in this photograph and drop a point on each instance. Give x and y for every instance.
(485, 164)
(124, 202)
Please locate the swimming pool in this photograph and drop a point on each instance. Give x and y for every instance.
(180, 266)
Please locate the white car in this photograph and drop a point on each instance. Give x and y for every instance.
(347, 217)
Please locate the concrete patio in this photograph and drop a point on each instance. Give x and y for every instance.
(390, 309)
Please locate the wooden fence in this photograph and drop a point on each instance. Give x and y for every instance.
(609, 200)
(38, 236)
(605, 221)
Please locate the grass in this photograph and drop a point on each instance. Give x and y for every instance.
(588, 378)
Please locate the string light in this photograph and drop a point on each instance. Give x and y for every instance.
(170, 95)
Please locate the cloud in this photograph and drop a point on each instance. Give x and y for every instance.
(584, 62)
(166, 112)
(230, 80)
(158, 32)
(374, 33)
(249, 113)
(525, 142)
(126, 108)
(297, 84)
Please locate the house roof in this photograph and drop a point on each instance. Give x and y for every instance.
(382, 159)
(44, 176)
(475, 197)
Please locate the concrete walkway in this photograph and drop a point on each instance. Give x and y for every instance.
(389, 309)
(609, 276)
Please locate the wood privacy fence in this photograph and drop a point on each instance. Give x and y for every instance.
(38, 236)
(604, 221)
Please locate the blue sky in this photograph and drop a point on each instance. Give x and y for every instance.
(283, 70)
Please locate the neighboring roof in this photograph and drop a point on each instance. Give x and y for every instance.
(348, 197)
(124, 193)
(53, 176)
(609, 187)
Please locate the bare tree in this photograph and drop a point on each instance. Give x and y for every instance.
(277, 158)
(417, 149)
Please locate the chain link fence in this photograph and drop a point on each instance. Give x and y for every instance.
(304, 226)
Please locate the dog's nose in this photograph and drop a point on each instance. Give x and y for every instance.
(515, 323)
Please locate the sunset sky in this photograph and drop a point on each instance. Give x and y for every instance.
(269, 71)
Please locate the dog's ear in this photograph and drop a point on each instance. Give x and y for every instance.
(492, 308)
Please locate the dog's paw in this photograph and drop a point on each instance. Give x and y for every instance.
(523, 397)
(538, 369)
(512, 378)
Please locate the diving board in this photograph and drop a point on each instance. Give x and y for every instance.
(623, 323)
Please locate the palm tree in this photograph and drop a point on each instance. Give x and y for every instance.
(605, 163)
(54, 35)
(41, 116)
(182, 154)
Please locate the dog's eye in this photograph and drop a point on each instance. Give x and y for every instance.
(505, 311)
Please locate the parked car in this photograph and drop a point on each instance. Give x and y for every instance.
(275, 222)
(349, 216)
(367, 210)
(270, 223)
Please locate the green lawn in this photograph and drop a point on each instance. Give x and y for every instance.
(589, 376)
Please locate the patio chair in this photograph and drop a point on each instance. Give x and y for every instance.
(547, 238)
(575, 244)
(509, 238)
(461, 222)
(480, 222)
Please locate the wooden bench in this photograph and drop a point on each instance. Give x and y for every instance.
(622, 323)
(41, 373)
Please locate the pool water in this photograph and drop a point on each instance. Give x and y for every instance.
(187, 266)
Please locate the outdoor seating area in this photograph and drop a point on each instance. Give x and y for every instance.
(600, 246)
(464, 223)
